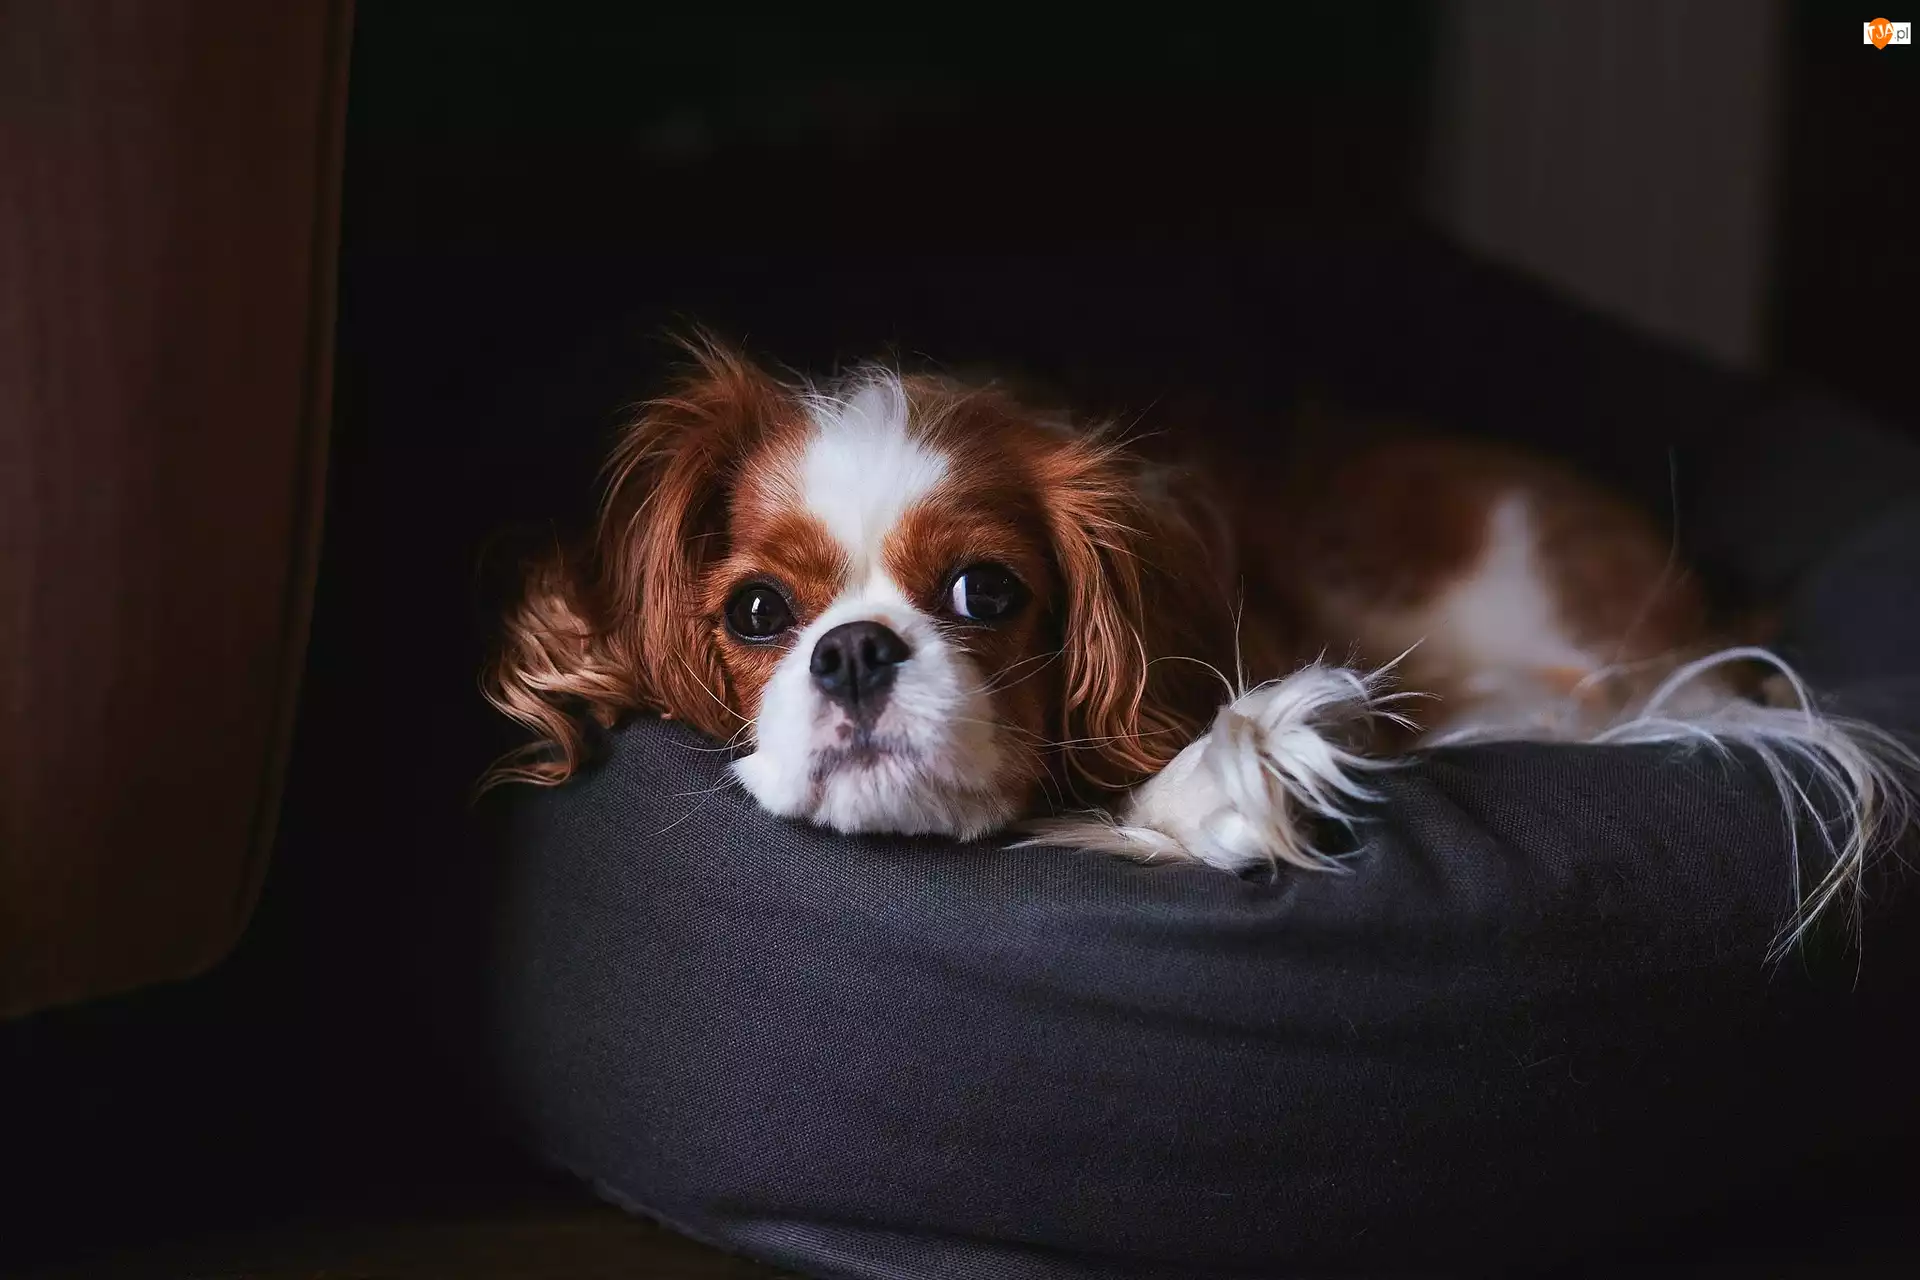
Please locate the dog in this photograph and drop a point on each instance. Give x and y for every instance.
(918, 604)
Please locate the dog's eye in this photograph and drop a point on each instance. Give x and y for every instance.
(758, 612)
(986, 593)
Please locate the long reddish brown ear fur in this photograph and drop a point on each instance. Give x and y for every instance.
(1148, 627)
(619, 627)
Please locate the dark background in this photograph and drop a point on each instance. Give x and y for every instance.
(1846, 270)
(534, 198)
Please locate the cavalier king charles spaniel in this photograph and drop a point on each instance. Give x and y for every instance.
(918, 605)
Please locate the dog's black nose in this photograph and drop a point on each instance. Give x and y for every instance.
(854, 664)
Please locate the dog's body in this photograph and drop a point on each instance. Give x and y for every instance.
(923, 606)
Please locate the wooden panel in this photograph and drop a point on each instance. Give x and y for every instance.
(534, 1241)
(168, 201)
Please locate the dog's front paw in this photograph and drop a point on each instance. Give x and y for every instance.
(1247, 792)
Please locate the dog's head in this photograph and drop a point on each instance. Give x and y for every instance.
(912, 602)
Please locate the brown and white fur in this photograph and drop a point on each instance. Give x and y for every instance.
(1468, 591)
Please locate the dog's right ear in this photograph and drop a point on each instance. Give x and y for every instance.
(664, 520)
(620, 627)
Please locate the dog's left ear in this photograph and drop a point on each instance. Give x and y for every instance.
(1137, 638)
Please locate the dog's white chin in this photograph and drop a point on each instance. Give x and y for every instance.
(893, 792)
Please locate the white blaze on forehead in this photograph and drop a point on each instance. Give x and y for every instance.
(863, 469)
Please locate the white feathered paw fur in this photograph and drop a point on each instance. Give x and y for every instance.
(1279, 759)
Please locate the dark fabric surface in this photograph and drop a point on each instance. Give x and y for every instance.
(1536, 1010)
(1532, 1021)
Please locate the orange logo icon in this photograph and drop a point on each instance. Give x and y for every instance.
(1880, 33)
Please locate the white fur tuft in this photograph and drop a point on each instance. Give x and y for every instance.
(1865, 783)
(1868, 776)
(1243, 794)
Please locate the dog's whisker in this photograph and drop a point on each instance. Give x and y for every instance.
(731, 744)
(1049, 660)
(717, 700)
